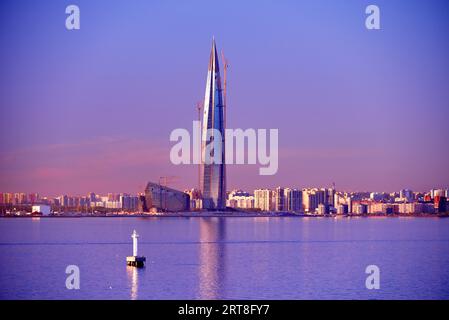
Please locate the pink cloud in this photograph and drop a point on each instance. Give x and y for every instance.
(81, 166)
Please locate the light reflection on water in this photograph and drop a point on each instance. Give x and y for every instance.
(212, 258)
(133, 278)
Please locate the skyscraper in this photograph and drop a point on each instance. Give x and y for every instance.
(213, 168)
(293, 200)
(263, 199)
(279, 199)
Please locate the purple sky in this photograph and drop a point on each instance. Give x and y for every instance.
(92, 110)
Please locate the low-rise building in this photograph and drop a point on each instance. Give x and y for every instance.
(360, 208)
(416, 207)
(42, 209)
(239, 199)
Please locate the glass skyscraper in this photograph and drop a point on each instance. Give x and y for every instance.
(213, 167)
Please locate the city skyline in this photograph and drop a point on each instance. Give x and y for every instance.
(191, 188)
(85, 110)
(159, 199)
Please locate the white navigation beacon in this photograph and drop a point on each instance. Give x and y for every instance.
(135, 236)
(135, 260)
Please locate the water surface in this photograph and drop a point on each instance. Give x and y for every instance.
(225, 258)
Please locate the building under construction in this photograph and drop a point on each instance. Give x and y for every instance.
(161, 198)
(213, 173)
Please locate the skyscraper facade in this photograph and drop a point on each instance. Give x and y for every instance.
(279, 199)
(293, 200)
(213, 168)
(263, 199)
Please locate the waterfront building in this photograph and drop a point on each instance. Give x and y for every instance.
(383, 208)
(293, 200)
(22, 198)
(416, 207)
(42, 209)
(239, 199)
(309, 200)
(83, 201)
(438, 193)
(213, 174)
(349, 202)
(196, 203)
(113, 204)
(263, 199)
(92, 197)
(342, 209)
(142, 204)
(8, 198)
(64, 201)
(360, 208)
(161, 198)
(406, 195)
(322, 209)
(193, 193)
(440, 204)
(279, 199)
(341, 198)
(379, 196)
(321, 196)
(128, 202)
(330, 196)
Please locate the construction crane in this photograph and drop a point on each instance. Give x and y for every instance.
(225, 106)
(199, 107)
(225, 82)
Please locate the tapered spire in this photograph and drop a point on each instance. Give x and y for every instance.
(213, 60)
(213, 186)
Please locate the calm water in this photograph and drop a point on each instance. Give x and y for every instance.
(225, 258)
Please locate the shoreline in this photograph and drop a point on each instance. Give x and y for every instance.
(229, 215)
